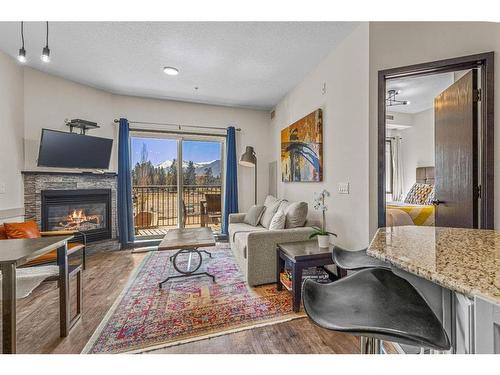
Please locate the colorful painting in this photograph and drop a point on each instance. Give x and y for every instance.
(302, 149)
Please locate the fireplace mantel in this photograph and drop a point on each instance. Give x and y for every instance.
(69, 173)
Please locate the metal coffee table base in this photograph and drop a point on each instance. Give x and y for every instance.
(189, 272)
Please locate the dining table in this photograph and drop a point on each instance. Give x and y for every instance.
(15, 253)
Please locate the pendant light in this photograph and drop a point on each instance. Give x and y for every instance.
(391, 100)
(46, 51)
(21, 57)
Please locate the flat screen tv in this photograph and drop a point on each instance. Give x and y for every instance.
(72, 150)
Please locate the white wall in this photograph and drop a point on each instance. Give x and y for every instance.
(399, 119)
(394, 44)
(417, 145)
(49, 100)
(254, 127)
(345, 136)
(11, 139)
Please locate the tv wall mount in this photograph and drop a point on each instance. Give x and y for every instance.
(83, 125)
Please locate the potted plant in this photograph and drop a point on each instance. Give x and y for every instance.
(321, 233)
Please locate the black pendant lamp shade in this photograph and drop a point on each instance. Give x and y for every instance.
(46, 51)
(21, 57)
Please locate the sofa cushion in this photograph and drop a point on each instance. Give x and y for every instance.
(252, 217)
(271, 205)
(242, 228)
(296, 215)
(28, 229)
(278, 221)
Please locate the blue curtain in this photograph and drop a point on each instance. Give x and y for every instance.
(124, 199)
(231, 189)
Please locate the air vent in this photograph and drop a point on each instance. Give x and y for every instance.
(389, 117)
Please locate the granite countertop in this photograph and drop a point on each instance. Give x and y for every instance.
(463, 260)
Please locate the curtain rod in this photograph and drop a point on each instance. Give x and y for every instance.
(175, 132)
(179, 126)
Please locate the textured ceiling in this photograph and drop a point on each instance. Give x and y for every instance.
(251, 64)
(419, 90)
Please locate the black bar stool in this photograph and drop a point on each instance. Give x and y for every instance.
(356, 260)
(377, 305)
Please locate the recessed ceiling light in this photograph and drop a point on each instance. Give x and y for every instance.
(170, 70)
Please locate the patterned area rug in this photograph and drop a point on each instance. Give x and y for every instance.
(145, 318)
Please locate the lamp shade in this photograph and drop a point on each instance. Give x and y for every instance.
(248, 158)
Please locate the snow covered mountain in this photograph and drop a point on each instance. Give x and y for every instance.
(199, 167)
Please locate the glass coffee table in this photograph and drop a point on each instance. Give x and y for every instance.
(188, 241)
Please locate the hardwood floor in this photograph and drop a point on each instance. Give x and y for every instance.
(298, 336)
(104, 279)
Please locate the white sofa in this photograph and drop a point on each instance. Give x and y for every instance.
(254, 247)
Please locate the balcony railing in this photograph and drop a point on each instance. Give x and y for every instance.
(156, 206)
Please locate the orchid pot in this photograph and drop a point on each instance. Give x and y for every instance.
(322, 234)
(324, 241)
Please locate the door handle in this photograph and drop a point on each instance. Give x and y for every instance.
(436, 202)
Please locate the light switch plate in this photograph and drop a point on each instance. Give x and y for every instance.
(343, 187)
(2, 187)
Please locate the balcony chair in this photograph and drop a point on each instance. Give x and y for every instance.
(213, 209)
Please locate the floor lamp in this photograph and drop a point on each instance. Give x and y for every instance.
(249, 159)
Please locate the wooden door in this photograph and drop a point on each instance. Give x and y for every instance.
(456, 150)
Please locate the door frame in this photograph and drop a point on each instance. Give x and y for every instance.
(221, 139)
(485, 63)
(179, 138)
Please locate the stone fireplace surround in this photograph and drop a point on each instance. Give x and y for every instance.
(36, 181)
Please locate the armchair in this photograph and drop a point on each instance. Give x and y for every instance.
(78, 243)
(29, 229)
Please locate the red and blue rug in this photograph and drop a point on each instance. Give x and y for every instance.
(146, 318)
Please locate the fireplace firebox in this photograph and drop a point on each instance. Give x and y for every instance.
(83, 210)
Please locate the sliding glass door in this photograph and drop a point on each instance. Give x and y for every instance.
(202, 183)
(177, 182)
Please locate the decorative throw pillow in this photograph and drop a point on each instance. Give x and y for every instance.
(271, 205)
(28, 229)
(252, 217)
(296, 215)
(431, 196)
(283, 205)
(418, 193)
(3, 234)
(278, 221)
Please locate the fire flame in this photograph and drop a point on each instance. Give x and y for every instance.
(78, 216)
